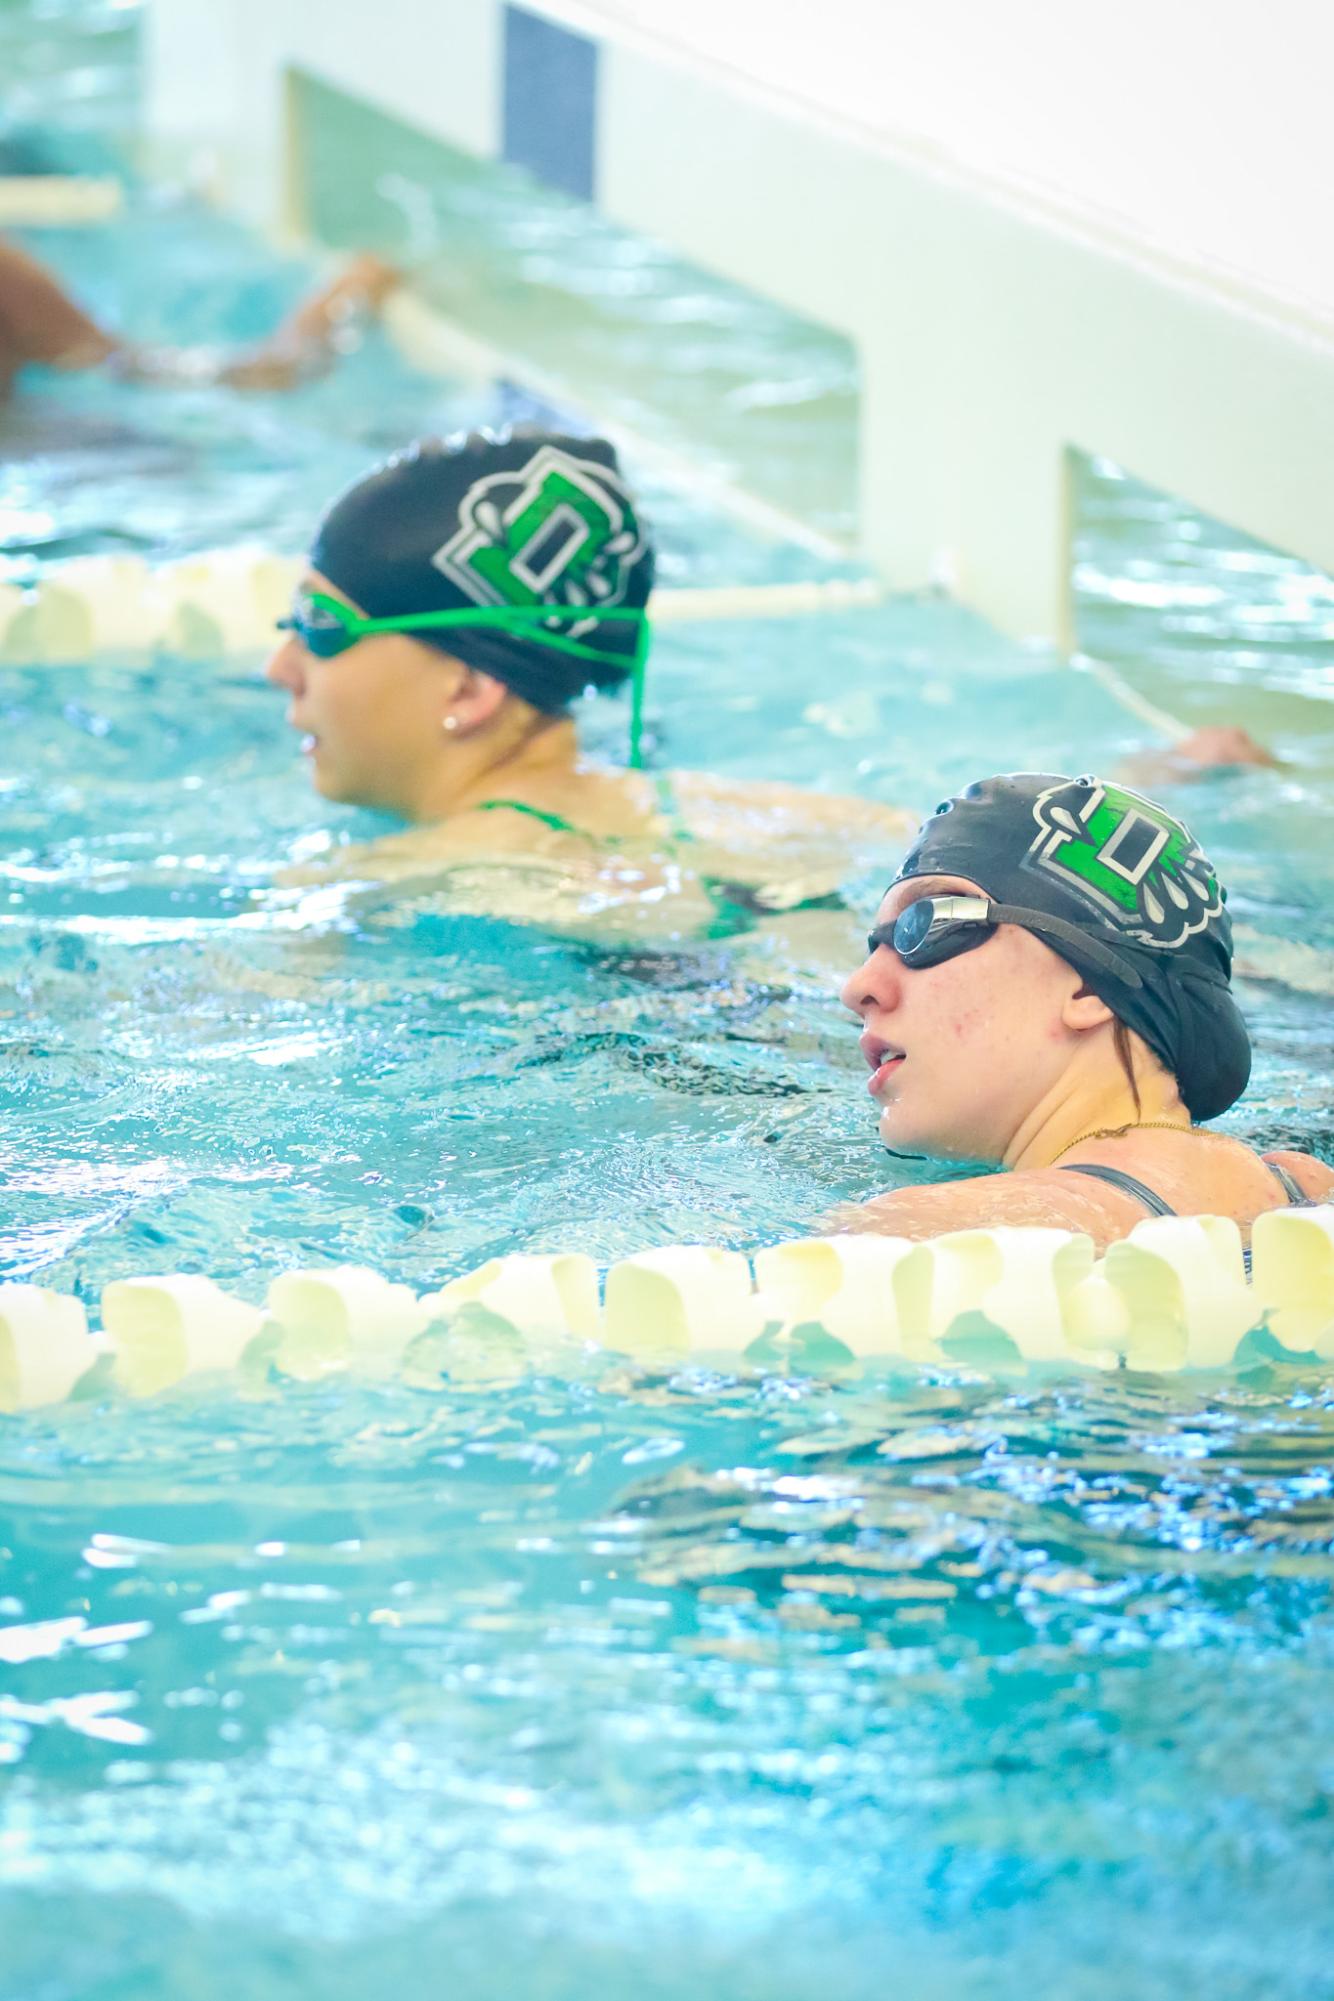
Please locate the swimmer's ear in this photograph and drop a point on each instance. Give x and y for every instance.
(475, 702)
(1082, 1010)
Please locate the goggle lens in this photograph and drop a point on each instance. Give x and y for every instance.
(913, 927)
(319, 629)
(947, 940)
(928, 932)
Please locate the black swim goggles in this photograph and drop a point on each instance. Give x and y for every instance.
(327, 627)
(936, 928)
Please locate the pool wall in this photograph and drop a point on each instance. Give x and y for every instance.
(1038, 237)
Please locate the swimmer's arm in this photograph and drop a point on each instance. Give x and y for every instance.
(266, 367)
(1035, 1198)
(40, 322)
(303, 347)
(789, 848)
(1217, 746)
(711, 805)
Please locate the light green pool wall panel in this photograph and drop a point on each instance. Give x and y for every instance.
(217, 74)
(631, 333)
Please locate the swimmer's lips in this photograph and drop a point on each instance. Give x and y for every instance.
(884, 1058)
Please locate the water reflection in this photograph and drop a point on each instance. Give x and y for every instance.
(720, 1649)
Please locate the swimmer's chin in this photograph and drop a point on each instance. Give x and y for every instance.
(894, 1134)
(896, 1131)
(346, 792)
(324, 781)
(901, 1136)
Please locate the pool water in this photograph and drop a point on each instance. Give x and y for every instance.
(600, 1680)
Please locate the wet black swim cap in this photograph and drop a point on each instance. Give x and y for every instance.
(525, 517)
(1123, 870)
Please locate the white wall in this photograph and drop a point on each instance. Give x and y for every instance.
(1041, 228)
(1203, 127)
(989, 341)
(214, 79)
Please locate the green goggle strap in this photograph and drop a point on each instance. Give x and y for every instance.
(529, 621)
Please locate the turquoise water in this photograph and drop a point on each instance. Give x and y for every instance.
(605, 1681)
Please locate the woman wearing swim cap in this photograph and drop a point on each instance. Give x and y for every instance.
(1048, 988)
(458, 599)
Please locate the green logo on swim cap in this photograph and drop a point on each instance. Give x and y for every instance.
(1138, 866)
(558, 531)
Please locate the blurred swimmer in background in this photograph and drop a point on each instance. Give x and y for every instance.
(457, 601)
(40, 323)
(1047, 989)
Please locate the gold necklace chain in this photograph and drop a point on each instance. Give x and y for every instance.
(1116, 1132)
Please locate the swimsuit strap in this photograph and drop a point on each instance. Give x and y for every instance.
(677, 829)
(552, 820)
(1154, 1203)
(1292, 1188)
(1126, 1183)
(665, 794)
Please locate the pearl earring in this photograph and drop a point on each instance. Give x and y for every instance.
(450, 723)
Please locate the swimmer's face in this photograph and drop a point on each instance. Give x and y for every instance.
(960, 1053)
(371, 718)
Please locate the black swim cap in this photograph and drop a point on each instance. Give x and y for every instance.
(1121, 869)
(525, 517)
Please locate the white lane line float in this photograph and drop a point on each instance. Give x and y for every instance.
(1173, 1295)
(221, 603)
(46, 201)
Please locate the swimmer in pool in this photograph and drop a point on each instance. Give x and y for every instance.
(39, 322)
(457, 602)
(1047, 989)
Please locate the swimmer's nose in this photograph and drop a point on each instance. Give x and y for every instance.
(873, 985)
(285, 668)
(853, 993)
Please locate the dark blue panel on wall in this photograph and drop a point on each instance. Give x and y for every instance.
(551, 82)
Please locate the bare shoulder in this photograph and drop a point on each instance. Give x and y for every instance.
(713, 804)
(1039, 1198)
(423, 854)
(1315, 1180)
(415, 852)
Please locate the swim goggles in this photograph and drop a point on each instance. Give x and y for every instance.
(327, 627)
(936, 928)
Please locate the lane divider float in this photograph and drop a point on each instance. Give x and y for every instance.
(218, 604)
(1173, 1295)
(221, 604)
(46, 201)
